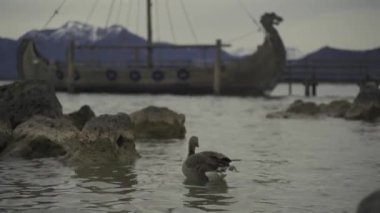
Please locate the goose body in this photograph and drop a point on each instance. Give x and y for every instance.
(206, 165)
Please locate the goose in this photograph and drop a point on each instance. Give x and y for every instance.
(206, 165)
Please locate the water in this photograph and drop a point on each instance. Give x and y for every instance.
(310, 165)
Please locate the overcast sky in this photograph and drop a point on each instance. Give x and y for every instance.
(308, 24)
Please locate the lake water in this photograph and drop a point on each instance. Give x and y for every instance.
(305, 165)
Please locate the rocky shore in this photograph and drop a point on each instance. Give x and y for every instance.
(365, 107)
(32, 125)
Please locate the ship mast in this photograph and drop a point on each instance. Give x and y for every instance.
(149, 31)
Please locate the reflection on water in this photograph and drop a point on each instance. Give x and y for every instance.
(47, 184)
(33, 184)
(104, 178)
(211, 196)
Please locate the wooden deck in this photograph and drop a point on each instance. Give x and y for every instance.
(332, 71)
(310, 73)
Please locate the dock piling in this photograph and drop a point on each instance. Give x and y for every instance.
(70, 56)
(217, 68)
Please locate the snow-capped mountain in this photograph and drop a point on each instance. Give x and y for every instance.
(52, 43)
(84, 33)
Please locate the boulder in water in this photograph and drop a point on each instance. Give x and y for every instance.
(366, 105)
(41, 137)
(5, 133)
(32, 111)
(21, 100)
(370, 204)
(336, 108)
(158, 123)
(104, 139)
(298, 109)
(80, 117)
(306, 108)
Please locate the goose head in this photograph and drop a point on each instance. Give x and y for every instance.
(193, 143)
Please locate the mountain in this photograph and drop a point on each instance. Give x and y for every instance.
(339, 62)
(84, 33)
(8, 49)
(333, 53)
(373, 54)
(52, 43)
(330, 53)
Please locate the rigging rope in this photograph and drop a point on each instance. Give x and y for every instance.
(170, 20)
(188, 21)
(92, 11)
(56, 11)
(110, 12)
(138, 17)
(240, 37)
(249, 15)
(129, 12)
(119, 11)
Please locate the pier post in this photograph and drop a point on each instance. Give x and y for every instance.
(290, 89)
(217, 68)
(313, 83)
(314, 89)
(307, 89)
(149, 32)
(70, 55)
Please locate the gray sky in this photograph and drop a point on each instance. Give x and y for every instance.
(308, 24)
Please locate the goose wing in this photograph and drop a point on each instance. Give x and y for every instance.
(207, 161)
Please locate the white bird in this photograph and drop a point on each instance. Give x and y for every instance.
(205, 166)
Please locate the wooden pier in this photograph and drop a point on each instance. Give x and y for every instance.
(311, 73)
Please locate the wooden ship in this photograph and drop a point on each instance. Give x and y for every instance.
(252, 75)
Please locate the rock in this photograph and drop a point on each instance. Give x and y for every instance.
(366, 105)
(33, 112)
(108, 126)
(285, 115)
(370, 204)
(41, 137)
(21, 100)
(5, 133)
(105, 139)
(158, 123)
(80, 117)
(336, 109)
(298, 109)
(307, 108)
(369, 112)
(369, 93)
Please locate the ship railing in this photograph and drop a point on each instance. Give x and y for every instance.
(131, 64)
(136, 54)
(149, 61)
